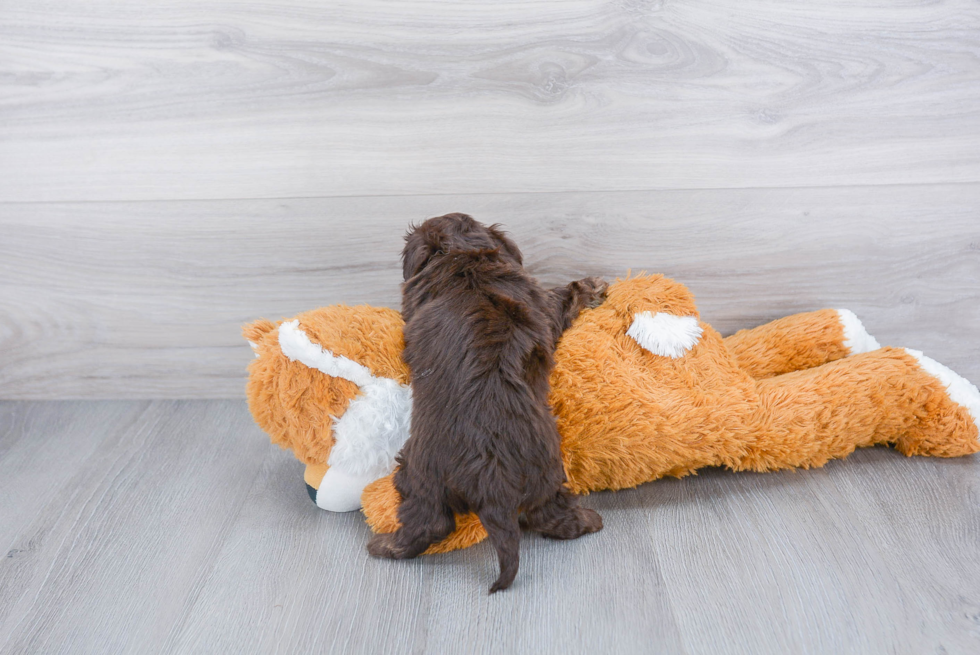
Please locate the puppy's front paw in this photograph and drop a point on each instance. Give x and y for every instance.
(383, 545)
(594, 289)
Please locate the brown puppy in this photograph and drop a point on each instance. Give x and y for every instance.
(480, 335)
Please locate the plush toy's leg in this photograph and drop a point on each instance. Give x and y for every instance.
(422, 524)
(562, 518)
(890, 395)
(799, 342)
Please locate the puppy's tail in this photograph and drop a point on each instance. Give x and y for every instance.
(505, 534)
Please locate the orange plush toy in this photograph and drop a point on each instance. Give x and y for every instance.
(641, 389)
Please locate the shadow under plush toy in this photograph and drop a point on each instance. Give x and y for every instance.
(641, 389)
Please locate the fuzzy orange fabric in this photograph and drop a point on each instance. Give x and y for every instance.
(782, 395)
(295, 404)
(774, 348)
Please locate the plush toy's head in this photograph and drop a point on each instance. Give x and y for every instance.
(330, 385)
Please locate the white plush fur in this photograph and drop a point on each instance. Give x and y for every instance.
(369, 434)
(665, 334)
(856, 338)
(373, 429)
(340, 491)
(961, 391)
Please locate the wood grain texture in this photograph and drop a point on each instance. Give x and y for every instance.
(829, 552)
(108, 563)
(144, 300)
(178, 528)
(143, 100)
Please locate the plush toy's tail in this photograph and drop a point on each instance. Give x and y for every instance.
(889, 396)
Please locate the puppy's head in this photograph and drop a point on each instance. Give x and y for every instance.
(453, 233)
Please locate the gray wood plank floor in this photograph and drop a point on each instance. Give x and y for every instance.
(174, 526)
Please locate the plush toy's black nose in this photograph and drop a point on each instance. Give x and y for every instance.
(312, 491)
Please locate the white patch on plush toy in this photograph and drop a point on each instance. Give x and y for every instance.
(255, 348)
(665, 334)
(961, 391)
(856, 338)
(369, 434)
(373, 429)
(340, 491)
(297, 347)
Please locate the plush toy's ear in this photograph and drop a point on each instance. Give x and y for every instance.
(253, 332)
(258, 329)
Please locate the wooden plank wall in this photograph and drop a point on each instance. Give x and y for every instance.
(170, 170)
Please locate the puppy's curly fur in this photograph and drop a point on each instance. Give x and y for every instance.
(480, 335)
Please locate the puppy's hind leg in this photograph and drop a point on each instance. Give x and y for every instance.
(560, 517)
(423, 523)
(504, 532)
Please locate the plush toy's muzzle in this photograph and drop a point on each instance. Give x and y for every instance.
(334, 489)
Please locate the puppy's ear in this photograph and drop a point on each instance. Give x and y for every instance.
(420, 245)
(508, 246)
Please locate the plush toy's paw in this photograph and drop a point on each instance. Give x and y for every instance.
(963, 394)
(383, 545)
(856, 337)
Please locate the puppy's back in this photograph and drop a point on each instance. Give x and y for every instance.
(479, 356)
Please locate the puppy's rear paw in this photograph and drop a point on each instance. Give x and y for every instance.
(590, 519)
(383, 545)
(580, 522)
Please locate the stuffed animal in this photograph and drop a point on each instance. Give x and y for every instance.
(641, 389)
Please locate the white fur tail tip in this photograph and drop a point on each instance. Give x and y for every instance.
(961, 391)
(665, 334)
(856, 338)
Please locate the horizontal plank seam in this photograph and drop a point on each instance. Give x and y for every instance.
(496, 193)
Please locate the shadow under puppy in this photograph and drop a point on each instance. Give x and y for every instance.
(480, 336)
